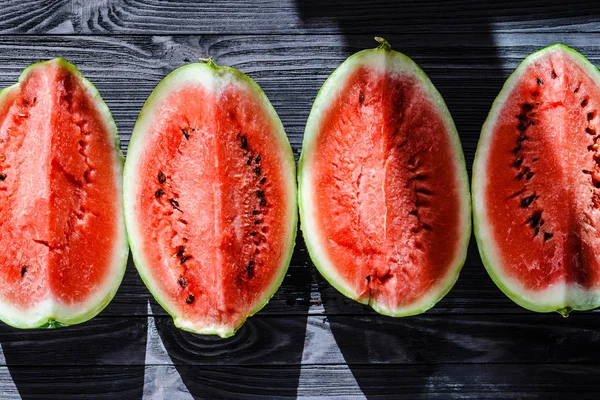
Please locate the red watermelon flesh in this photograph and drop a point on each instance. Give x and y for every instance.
(214, 204)
(63, 239)
(538, 183)
(383, 192)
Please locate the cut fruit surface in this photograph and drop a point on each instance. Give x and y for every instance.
(63, 233)
(210, 197)
(536, 184)
(384, 200)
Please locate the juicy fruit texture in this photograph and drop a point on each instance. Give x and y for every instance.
(63, 235)
(210, 196)
(383, 186)
(537, 184)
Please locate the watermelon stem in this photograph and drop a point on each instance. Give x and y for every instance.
(209, 61)
(383, 44)
(565, 311)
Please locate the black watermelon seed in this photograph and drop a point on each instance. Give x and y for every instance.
(522, 127)
(257, 170)
(180, 251)
(584, 102)
(526, 202)
(257, 221)
(537, 230)
(553, 75)
(361, 97)
(183, 259)
(518, 162)
(521, 138)
(260, 194)
(547, 236)
(258, 159)
(527, 107)
(23, 270)
(185, 133)
(161, 177)
(517, 149)
(190, 299)
(250, 266)
(529, 175)
(255, 212)
(158, 194)
(252, 233)
(263, 202)
(368, 278)
(597, 185)
(590, 116)
(590, 130)
(2, 177)
(244, 142)
(535, 218)
(263, 180)
(249, 161)
(174, 203)
(539, 81)
(535, 159)
(182, 282)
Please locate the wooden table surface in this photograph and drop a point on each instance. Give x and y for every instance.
(309, 341)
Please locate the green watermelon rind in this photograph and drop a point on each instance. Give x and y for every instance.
(136, 142)
(120, 256)
(327, 90)
(485, 244)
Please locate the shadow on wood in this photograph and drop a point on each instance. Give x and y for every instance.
(268, 347)
(460, 77)
(100, 358)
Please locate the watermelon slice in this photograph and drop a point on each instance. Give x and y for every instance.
(536, 184)
(384, 196)
(210, 198)
(63, 240)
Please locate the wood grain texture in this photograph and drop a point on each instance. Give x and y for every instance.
(467, 69)
(493, 381)
(313, 340)
(284, 17)
(309, 341)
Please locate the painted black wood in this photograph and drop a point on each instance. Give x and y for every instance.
(309, 341)
(284, 17)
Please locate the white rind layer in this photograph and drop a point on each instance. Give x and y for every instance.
(213, 78)
(52, 312)
(561, 296)
(384, 61)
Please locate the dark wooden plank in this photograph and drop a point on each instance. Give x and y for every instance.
(295, 16)
(314, 340)
(495, 381)
(429, 381)
(88, 382)
(32, 16)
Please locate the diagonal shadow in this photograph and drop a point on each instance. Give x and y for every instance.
(262, 359)
(456, 45)
(101, 358)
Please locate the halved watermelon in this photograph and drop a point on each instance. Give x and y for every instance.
(536, 184)
(63, 240)
(210, 197)
(384, 196)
